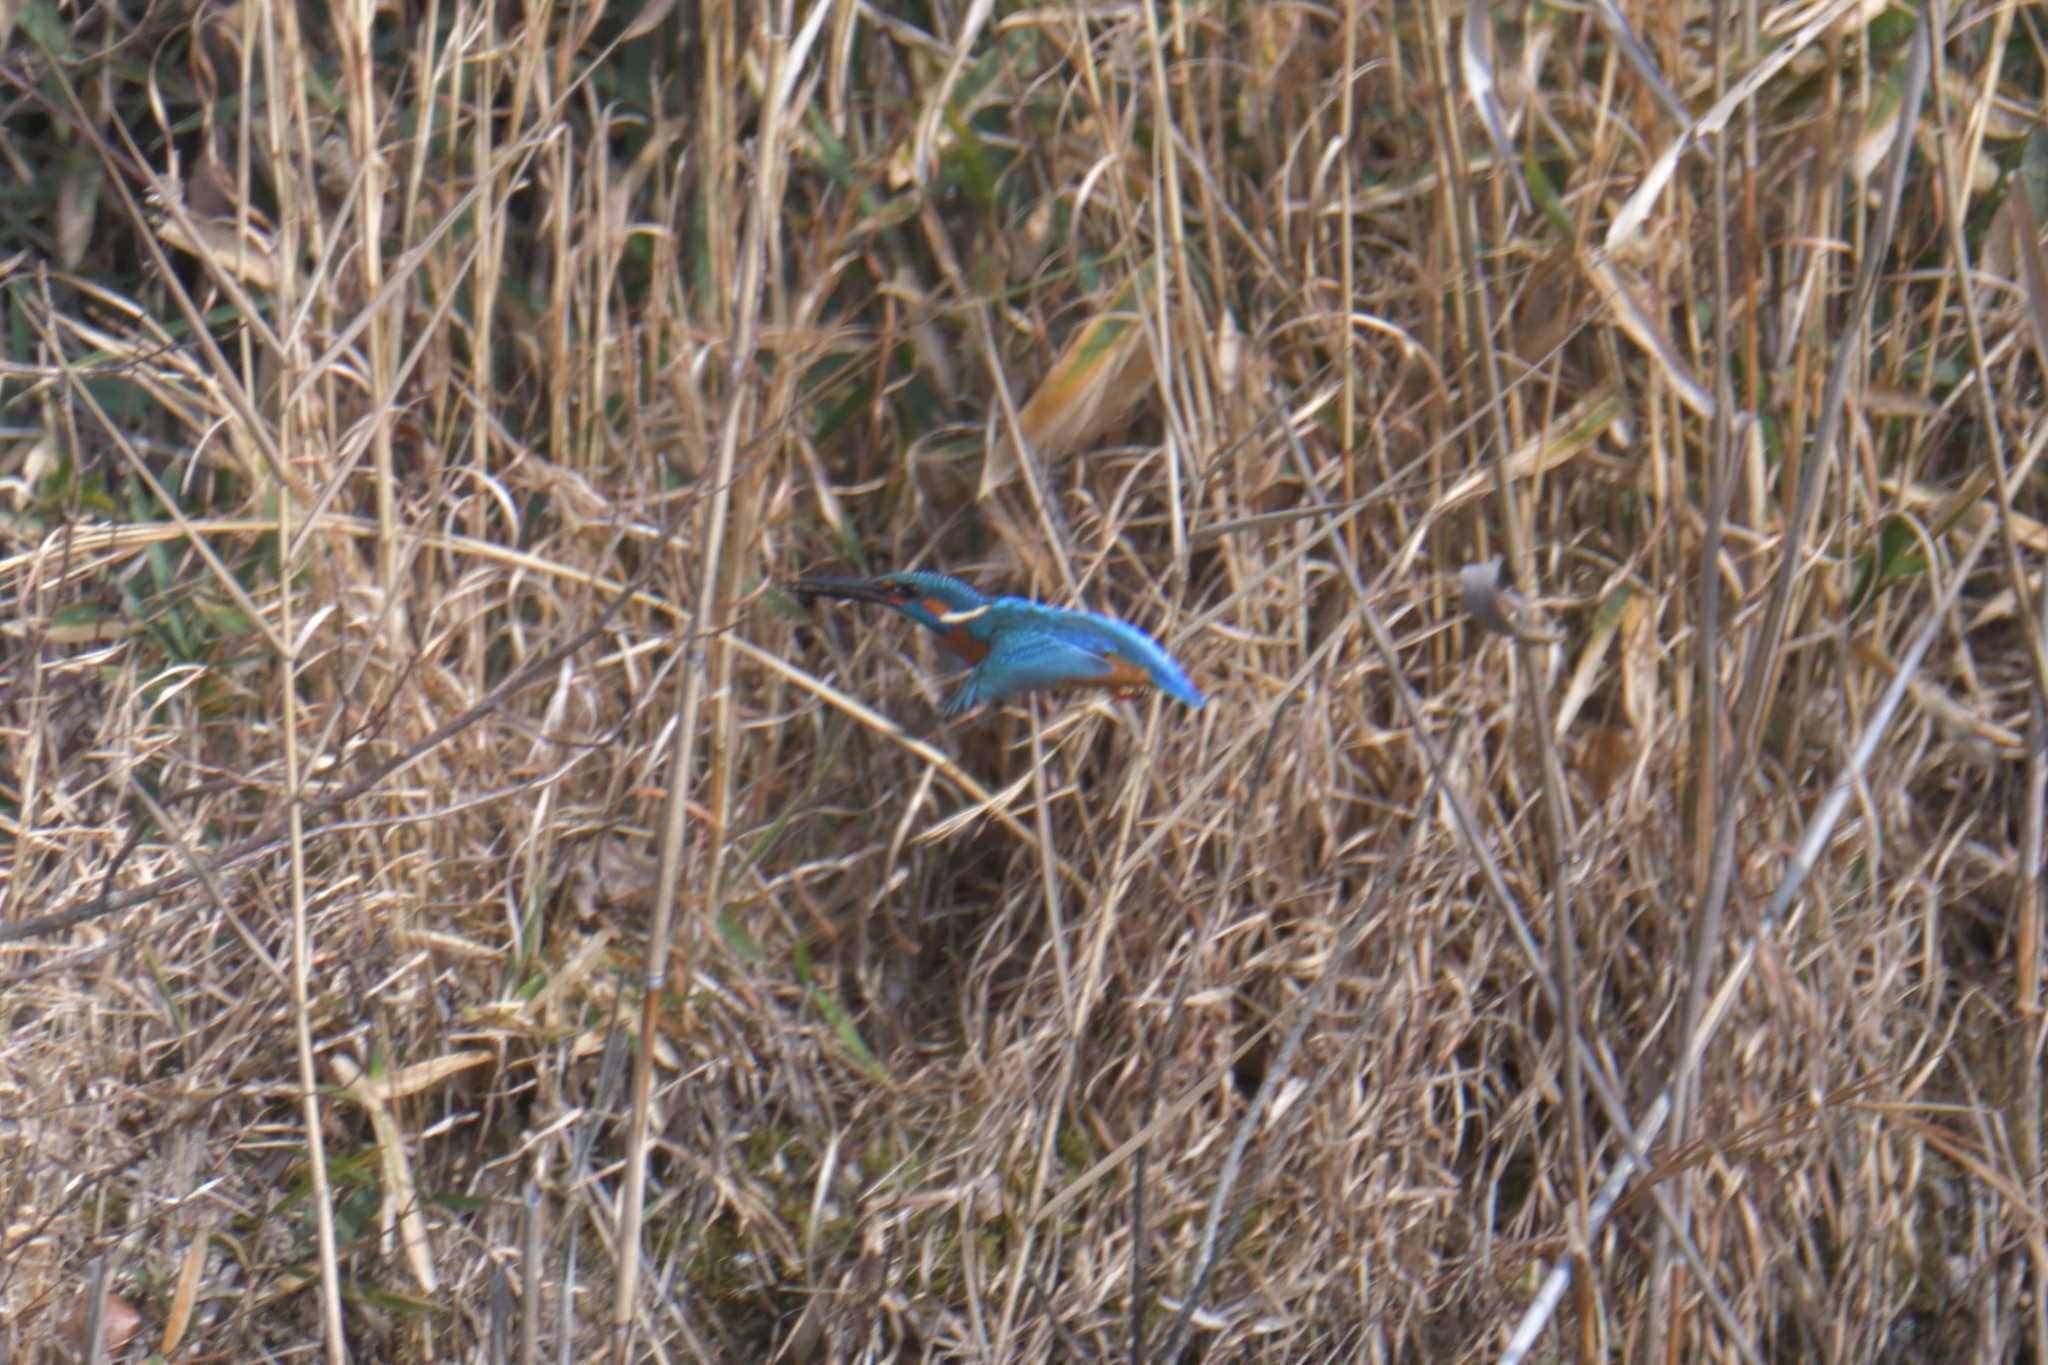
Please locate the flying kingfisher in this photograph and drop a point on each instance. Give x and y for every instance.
(1016, 644)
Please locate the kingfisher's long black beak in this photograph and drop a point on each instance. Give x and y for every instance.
(809, 590)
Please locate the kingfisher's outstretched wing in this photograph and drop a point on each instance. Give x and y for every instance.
(1021, 659)
(1130, 650)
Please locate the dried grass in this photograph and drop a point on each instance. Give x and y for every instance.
(409, 417)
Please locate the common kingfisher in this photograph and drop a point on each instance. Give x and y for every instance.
(1016, 644)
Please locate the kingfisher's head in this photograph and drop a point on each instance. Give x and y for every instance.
(926, 598)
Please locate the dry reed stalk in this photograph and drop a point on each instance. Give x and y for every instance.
(406, 426)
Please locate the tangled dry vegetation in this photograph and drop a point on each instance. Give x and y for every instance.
(410, 410)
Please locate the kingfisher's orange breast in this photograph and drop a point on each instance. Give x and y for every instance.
(962, 642)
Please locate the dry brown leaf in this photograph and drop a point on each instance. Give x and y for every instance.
(255, 262)
(191, 1270)
(119, 1322)
(1096, 382)
(1639, 665)
(399, 1212)
(1604, 755)
(1587, 672)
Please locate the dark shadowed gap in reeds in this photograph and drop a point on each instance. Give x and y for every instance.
(439, 854)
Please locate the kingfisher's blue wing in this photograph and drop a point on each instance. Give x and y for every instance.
(1019, 660)
(1122, 644)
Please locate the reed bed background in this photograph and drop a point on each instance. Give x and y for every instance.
(439, 857)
